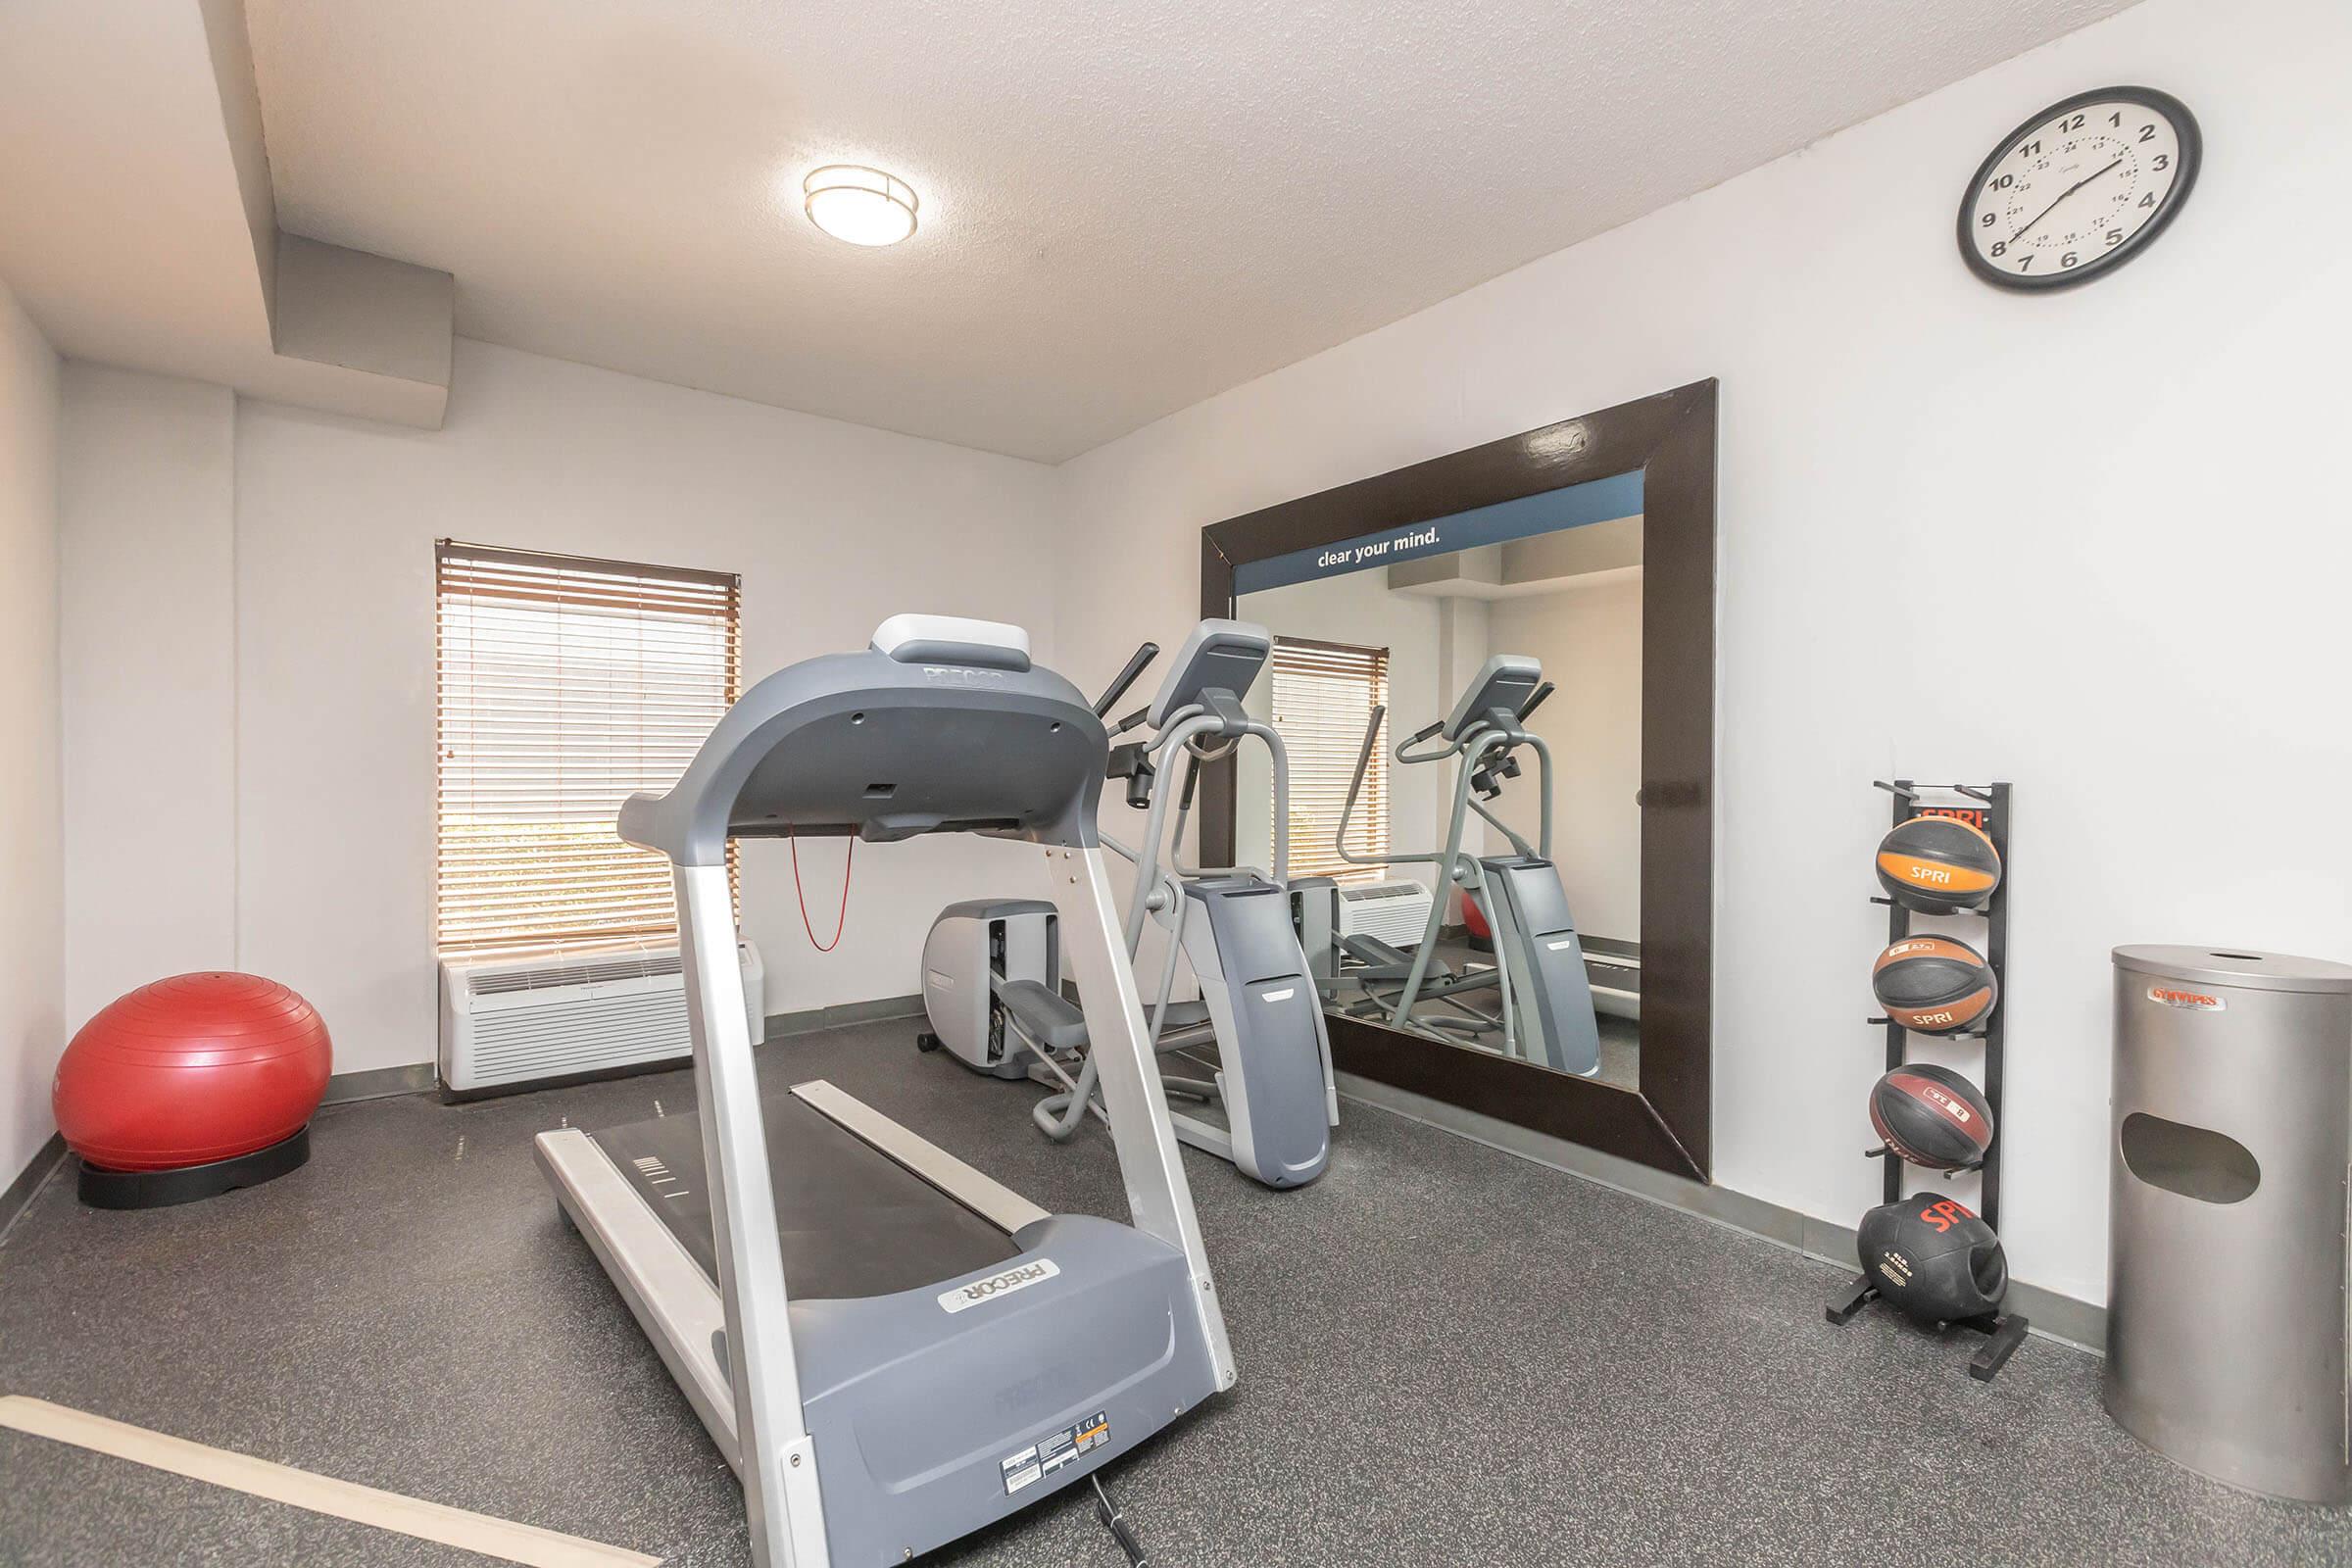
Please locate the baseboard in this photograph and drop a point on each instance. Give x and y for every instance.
(18, 1195)
(377, 1083)
(2049, 1314)
(2052, 1315)
(380, 1083)
(808, 1022)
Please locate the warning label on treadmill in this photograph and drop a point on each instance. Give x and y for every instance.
(1049, 1455)
(1017, 1278)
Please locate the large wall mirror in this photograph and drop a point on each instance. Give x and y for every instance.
(1493, 675)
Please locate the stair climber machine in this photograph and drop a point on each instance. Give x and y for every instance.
(890, 1349)
(992, 969)
(1541, 1004)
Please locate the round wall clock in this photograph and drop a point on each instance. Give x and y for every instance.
(2080, 188)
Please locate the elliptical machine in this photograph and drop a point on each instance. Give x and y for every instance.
(1545, 1013)
(992, 967)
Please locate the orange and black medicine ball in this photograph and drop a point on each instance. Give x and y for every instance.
(1932, 1258)
(1934, 985)
(1931, 1117)
(1938, 865)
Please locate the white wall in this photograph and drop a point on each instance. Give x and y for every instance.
(31, 856)
(1590, 640)
(146, 544)
(315, 837)
(2109, 522)
(832, 527)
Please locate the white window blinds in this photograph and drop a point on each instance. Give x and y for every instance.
(566, 685)
(1324, 693)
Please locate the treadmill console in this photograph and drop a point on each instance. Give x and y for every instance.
(1506, 681)
(953, 640)
(1219, 655)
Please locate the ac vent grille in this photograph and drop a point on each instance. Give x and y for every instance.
(506, 1022)
(1394, 912)
(585, 1036)
(576, 973)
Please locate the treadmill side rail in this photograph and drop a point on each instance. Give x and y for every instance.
(975, 1189)
(666, 1291)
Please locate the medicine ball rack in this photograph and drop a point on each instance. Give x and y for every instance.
(2005, 1330)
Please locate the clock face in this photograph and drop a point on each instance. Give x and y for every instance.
(2079, 189)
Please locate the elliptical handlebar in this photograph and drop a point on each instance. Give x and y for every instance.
(1173, 742)
(1137, 663)
(1355, 784)
(1535, 699)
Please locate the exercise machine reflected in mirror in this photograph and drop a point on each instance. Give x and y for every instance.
(1508, 909)
(1480, 867)
(1542, 1005)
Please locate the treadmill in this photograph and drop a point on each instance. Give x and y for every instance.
(891, 1348)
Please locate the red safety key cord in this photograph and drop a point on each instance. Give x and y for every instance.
(842, 921)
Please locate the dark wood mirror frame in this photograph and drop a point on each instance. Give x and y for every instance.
(1666, 1122)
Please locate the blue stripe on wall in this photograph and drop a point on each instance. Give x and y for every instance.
(1570, 507)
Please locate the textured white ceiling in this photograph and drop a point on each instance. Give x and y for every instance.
(135, 220)
(1127, 206)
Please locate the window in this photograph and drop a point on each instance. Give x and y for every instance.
(565, 686)
(1324, 693)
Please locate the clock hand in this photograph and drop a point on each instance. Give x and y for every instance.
(2054, 207)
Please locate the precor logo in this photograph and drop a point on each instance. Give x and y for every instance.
(966, 673)
(1019, 1277)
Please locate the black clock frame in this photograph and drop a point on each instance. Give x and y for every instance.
(2192, 159)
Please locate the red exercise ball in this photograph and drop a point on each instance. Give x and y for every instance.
(196, 1070)
(1474, 920)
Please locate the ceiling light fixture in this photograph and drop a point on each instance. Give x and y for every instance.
(862, 206)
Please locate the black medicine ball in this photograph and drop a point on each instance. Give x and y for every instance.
(1931, 1117)
(1938, 865)
(1934, 985)
(1934, 1259)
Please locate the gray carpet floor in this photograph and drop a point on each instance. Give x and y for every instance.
(1447, 1356)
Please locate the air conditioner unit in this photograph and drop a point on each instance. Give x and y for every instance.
(1396, 912)
(515, 1019)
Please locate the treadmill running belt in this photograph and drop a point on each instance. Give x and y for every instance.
(855, 1222)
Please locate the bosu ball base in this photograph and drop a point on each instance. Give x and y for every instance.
(101, 1188)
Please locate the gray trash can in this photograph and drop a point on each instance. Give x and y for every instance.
(2231, 1142)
